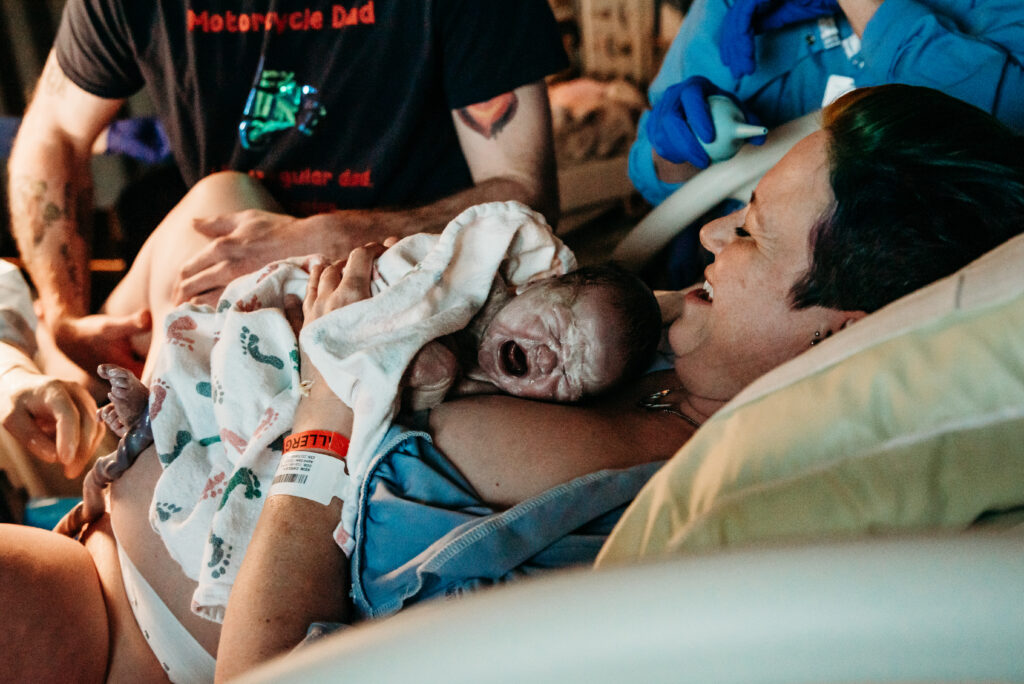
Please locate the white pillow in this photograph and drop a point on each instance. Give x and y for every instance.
(911, 419)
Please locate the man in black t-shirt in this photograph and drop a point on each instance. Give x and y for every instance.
(363, 118)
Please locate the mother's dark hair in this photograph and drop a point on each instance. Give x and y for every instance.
(923, 184)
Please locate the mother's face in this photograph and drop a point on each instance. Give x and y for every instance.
(741, 324)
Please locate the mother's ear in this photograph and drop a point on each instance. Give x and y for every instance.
(837, 320)
(851, 317)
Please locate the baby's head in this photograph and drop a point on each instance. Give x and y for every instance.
(573, 336)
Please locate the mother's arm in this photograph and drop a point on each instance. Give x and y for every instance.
(293, 574)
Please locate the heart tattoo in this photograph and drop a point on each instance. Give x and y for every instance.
(490, 117)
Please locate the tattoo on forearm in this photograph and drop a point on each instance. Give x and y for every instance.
(29, 199)
(54, 254)
(69, 202)
(489, 118)
(69, 266)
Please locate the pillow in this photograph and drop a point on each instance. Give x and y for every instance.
(912, 419)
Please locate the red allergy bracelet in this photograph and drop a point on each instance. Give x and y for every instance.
(333, 442)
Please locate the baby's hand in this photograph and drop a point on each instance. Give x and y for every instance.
(430, 376)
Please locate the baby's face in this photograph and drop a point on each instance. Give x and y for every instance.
(545, 344)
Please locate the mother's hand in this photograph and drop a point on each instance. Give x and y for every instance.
(341, 283)
(331, 287)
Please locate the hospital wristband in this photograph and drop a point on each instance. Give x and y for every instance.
(334, 442)
(310, 475)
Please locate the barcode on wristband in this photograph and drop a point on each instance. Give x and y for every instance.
(290, 477)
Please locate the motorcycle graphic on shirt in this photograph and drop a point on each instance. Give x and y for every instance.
(278, 103)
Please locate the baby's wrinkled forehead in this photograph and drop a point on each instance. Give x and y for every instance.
(603, 302)
(599, 316)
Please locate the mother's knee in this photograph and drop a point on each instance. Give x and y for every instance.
(226, 192)
(55, 618)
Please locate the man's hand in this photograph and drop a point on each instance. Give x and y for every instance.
(682, 119)
(241, 243)
(747, 18)
(54, 420)
(100, 338)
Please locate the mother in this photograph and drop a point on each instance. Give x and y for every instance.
(901, 187)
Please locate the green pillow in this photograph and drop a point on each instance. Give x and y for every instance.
(910, 420)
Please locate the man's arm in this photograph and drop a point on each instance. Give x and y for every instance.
(50, 197)
(50, 188)
(507, 143)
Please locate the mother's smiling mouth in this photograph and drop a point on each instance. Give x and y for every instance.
(706, 292)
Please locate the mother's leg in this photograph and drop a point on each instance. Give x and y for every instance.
(149, 283)
(55, 619)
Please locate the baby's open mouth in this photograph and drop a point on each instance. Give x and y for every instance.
(513, 359)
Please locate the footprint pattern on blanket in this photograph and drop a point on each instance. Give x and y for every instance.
(269, 418)
(176, 332)
(294, 356)
(233, 439)
(214, 392)
(244, 477)
(165, 509)
(251, 304)
(157, 394)
(250, 344)
(181, 441)
(214, 486)
(267, 271)
(220, 558)
(223, 305)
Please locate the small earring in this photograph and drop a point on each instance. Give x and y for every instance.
(817, 338)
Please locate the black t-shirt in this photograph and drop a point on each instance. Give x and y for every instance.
(332, 105)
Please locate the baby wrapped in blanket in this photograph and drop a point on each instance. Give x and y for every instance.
(226, 386)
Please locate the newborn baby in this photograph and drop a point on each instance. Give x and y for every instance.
(561, 339)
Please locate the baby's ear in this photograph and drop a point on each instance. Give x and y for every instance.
(531, 283)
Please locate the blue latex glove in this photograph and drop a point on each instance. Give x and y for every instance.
(141, 138)
(682, 118)
(747, 18)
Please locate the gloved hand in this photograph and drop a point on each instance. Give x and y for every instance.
(140, 138)
(682, 118)
(747, 18)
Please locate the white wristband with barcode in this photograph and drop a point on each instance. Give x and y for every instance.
(309, 475)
